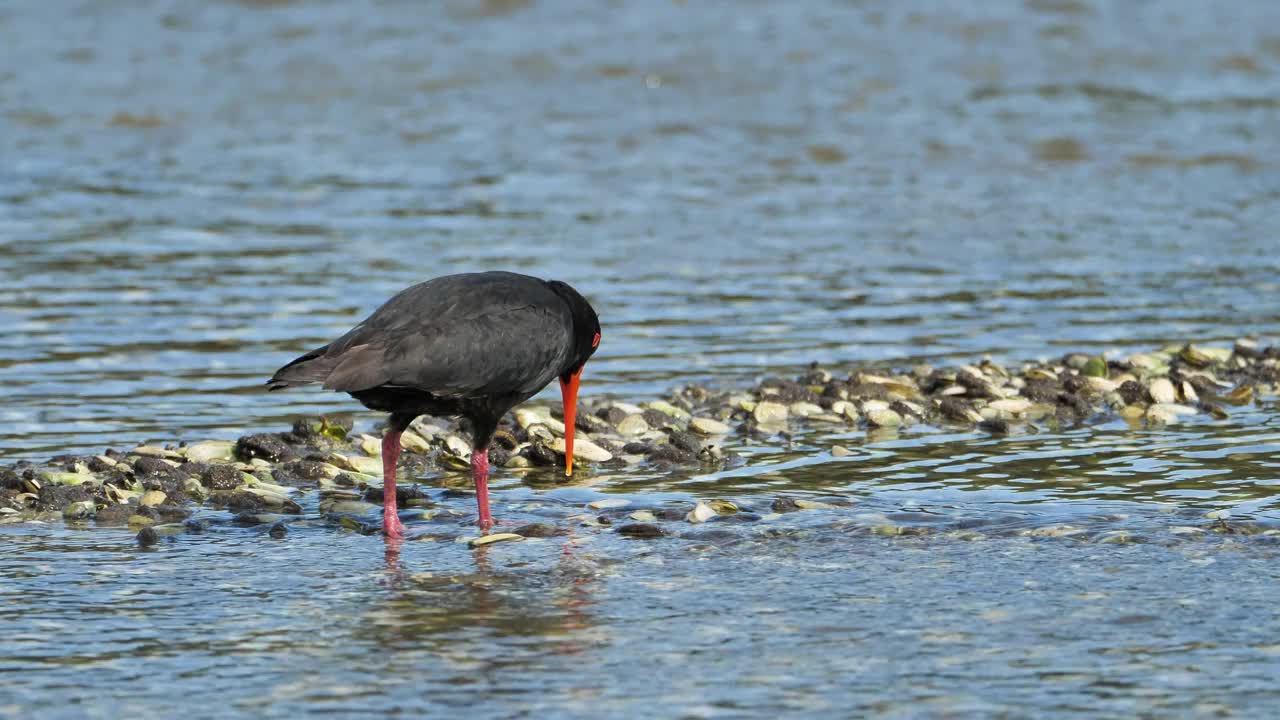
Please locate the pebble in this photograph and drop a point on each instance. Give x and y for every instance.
(641, 530)
(494, 538)
(770, 413)
(147, 537)
(414, 443)
(839, 451)
(804, 409)
(583, 449)
(707, 426)
(633, 425)
(211, 451)
(608, 503)
(701, 513)
(152, 498)
(884, 418)
(1162, 391)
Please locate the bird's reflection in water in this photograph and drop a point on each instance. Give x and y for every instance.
(517, 600)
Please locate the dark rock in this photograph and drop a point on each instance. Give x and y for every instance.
(955, 410)
(868, 391)
(1074, 384)
(1075, 405)
(784, 505)
(404, 493)
(170, 513)
(1042, 391)
(10, 480)
(498, 456)
(237, 500)
(145, 467)
(686, 441)
(147, 537)
(98, 466)
(788, 392)
(976, 387)
(58, 497)
(604, 520)
(308, 470)
(613, 415)
(114, 515)
(641, 530)
(248, 518)
(667, 453)
(537, 530)
(267, 446)
(656, 418)
(221, 477)
(995, 427)
(637, 448)
(588, 423)
(540, 453)
(278, 530)
(196, 526)
(503, 439)
(1132, 392)
(904, 410)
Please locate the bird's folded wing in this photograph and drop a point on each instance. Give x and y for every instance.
(512, 351)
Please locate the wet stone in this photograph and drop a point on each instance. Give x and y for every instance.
(1042, 391)
(404, 493)
(149, 467)
(221, 477)
(302, 470)
(784, 505)
(263, 445)
(685, 441)
(58, 497)
(641, 530)
(656, 418)
(538, 530)
(670, 514)
(278, 530)
(667, 453)
(113, 515)
(147, 537)
(995, 427)
(1132, 392)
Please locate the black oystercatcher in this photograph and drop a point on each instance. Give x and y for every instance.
(472, 345)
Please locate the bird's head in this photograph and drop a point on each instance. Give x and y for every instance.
(586, 338)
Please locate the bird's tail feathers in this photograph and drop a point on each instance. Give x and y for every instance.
(312, 367)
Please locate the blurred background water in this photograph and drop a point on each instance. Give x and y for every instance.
(191, 193)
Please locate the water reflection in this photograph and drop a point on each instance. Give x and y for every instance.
(549, 605)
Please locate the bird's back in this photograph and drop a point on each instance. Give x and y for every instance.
(469, 335)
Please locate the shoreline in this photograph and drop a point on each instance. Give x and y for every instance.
(263, 474)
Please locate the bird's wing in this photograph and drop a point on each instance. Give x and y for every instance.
(465, 340)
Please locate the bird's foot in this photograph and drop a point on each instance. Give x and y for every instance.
(393, 528)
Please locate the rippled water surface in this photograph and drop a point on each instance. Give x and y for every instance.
(192, 193)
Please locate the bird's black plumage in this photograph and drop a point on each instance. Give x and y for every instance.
(471, 345)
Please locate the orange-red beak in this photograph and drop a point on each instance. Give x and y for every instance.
(569, 393)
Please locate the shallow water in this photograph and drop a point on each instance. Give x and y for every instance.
(195, 193)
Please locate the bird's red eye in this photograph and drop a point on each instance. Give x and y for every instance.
(595, 341)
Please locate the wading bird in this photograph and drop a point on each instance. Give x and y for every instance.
(473, 345)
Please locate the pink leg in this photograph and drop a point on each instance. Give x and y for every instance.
(480, 473)
(390, 456)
